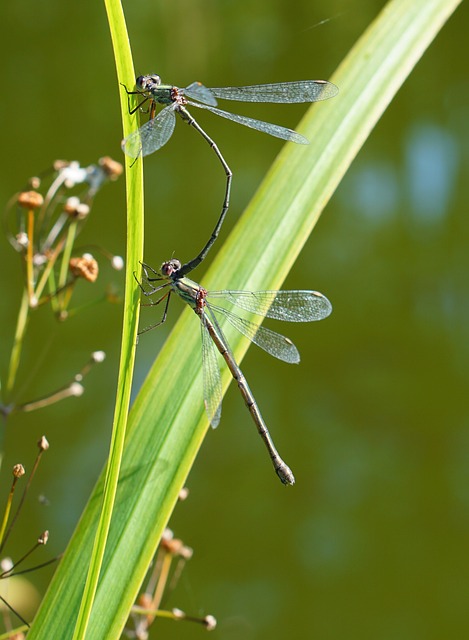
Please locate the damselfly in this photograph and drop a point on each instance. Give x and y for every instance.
(292, 306)
(157, 131)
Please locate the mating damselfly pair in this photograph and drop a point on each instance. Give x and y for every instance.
(293, 306)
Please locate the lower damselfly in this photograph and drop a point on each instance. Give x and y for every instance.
(156, 132)
(291, 306)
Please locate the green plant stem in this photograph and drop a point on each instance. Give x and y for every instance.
(48, 270)
(6, 514)
(134, 182)
(54, 300)
(67, 253)
(21, 323)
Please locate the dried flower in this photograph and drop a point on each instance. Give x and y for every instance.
(43, 538)
(85, 267)
(76, 209)
(18, 470)
(43, 443)
(111, 168)
(30, 200)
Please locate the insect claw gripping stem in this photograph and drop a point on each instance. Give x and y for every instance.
(167, 296)
(134, 93)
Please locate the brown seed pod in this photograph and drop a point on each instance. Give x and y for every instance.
(30, 199)
(84, 267)
(76, 209)
(112, 168)
(18, 470)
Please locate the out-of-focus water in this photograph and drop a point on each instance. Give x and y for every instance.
(372, 540)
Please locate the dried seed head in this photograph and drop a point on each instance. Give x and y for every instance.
(186, 553)
(76, 209)
(73, 174)
(18, 470)
(6, 564)
(82, 211)
(40, 259)
(111, 168)
(85, 267)
(178, 614)
(35, 182)
(30, 200)
(173, 545)
(167, 534)
(145, 600)
(183, 494)
(43, 444)
(22, 239)
(71, 204)
(60, 164)
(76, 389)
(210, 623)
(176, 547)
(117, 263)
(43, 538)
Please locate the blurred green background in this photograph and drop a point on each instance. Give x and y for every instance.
(372, 540)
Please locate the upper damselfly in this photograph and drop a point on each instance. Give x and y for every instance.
(157, 131)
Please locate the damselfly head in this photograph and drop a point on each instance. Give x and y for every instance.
(147, 83)
(170, 267)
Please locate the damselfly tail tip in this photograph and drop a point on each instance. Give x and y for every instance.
(285, 474)
(298, 138)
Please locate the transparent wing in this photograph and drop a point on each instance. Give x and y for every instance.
(302, 91)
(211, 376)
(197, 91)
(277, 345)
(290, 306)
(266, 127)
(152, 136)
